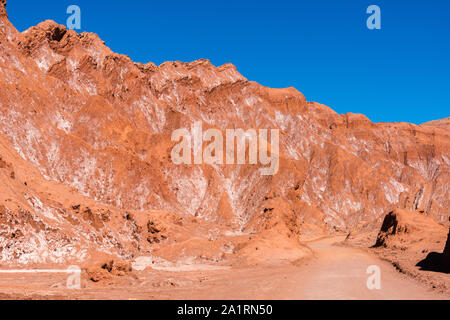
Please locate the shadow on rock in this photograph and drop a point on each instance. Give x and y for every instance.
(434, 262)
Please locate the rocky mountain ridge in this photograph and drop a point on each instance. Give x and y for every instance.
(86, 134)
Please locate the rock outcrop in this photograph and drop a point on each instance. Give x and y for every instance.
(106, 268)
(442, 123)
(87, 134)
(403, 229)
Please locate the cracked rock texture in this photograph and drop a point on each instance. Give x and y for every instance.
(85, 142)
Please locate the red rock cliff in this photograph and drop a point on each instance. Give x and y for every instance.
(97, 126)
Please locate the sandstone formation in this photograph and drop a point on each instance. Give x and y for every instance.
(413, 241)
(442, 123)
(85, 145)
(104, 268)
(404, 229)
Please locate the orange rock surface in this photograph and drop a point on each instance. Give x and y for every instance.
(85, 142)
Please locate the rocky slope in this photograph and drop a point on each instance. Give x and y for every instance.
(415, 245)
(442, 123)
(409, 230)
(86, 145)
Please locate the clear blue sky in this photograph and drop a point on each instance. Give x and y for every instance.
(321, 47)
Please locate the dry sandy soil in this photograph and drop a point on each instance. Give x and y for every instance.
(333, 271)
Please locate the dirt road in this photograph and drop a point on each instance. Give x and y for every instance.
(334, 272)
(339, 272)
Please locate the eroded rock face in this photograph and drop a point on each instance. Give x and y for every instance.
(105, 268)
(402, 229)
(92, 123)
(442, 123)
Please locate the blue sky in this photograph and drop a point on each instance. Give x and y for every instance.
(322, 47)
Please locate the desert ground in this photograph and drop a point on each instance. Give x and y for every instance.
(334, 270)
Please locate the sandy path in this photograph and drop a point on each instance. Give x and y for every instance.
(335, 272)
(339, 272)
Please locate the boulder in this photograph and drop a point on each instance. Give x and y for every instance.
(402, 229)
